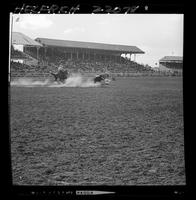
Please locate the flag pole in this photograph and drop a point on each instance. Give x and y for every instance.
(10, 43)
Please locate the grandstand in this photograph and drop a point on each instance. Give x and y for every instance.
(19, 41)
(54, 50)
(84, 57)
(171, 64)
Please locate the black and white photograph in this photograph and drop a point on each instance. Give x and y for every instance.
(96, 99)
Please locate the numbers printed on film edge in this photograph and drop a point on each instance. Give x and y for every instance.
(114, 10)
(55, 9)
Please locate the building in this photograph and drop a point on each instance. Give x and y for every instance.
(19, 41)
(51, 49)
(172, 64)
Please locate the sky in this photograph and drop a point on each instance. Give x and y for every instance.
(158, 35)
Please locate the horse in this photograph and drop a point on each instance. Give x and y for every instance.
(61, 75)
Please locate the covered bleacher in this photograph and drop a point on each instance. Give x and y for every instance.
(53, 50)
(76, 56)
(85, 56)
(21, 62)
(172, 64)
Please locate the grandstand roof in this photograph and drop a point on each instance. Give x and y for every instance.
(171, 58)
(21, 39)
(89, 45)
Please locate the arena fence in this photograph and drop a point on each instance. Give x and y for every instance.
(46, 75)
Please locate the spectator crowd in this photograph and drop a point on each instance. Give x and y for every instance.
(47, 64)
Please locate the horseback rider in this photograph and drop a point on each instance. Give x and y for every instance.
(60, 68)
(61, 74)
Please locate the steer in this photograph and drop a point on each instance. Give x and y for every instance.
(99, 78)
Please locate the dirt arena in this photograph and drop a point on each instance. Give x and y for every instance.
(128, 133)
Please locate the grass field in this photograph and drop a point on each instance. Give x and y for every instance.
(129, 133)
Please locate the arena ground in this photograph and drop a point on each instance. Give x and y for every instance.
(129, 133)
